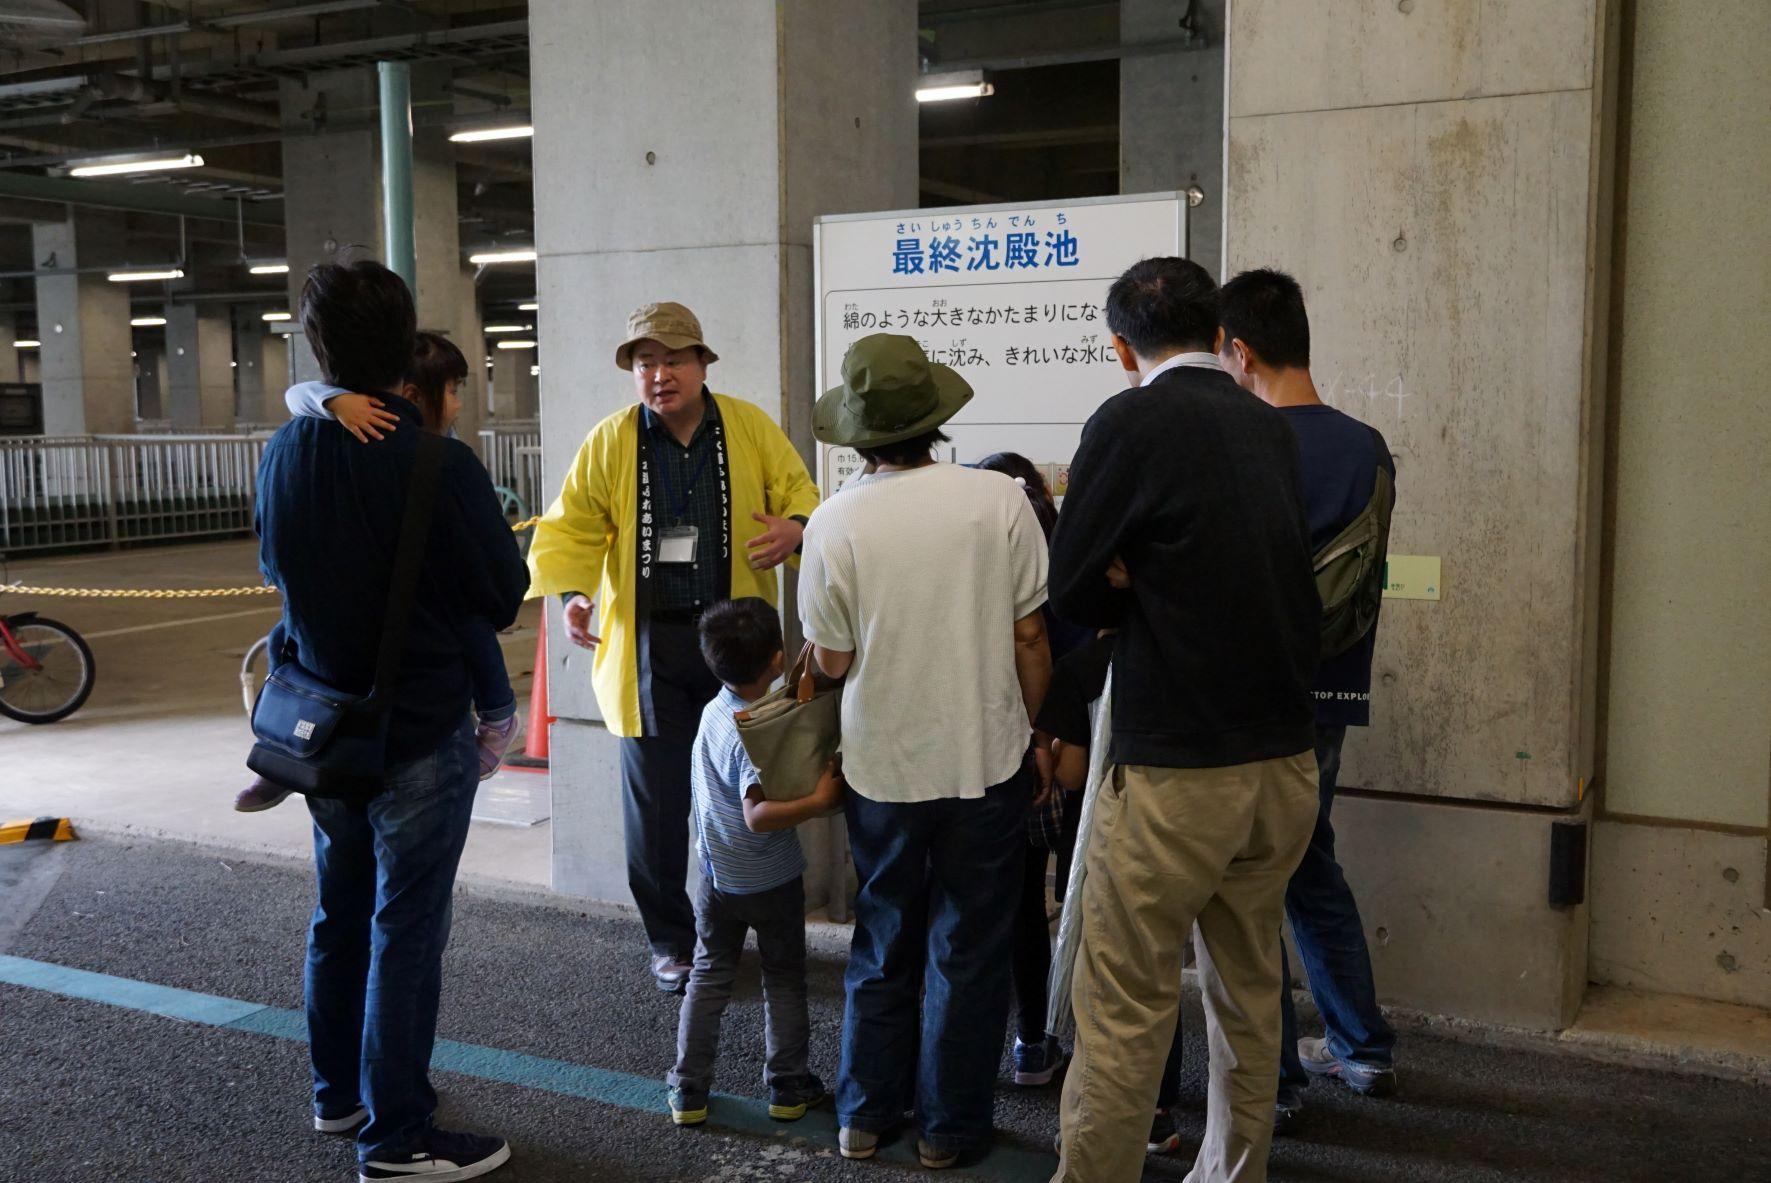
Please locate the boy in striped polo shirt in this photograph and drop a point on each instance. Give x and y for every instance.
(751, 869)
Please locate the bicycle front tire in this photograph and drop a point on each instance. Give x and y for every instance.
(50, 695)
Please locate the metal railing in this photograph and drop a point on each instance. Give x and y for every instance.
(98, 490)
(511, 451)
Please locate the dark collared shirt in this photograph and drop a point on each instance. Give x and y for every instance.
(686, 481)
(328, 519)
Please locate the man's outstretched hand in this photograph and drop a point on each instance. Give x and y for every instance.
(770, 549)
(578, 613)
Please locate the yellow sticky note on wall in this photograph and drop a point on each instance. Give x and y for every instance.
(1412, 577)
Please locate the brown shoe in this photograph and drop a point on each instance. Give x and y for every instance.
(259, 795)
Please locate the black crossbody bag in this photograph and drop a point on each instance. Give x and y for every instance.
(321, 741)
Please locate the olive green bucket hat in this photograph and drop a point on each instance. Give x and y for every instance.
(670, 324)
(890, 392)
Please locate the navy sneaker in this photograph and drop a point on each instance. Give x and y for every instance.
(1369, 1080)
(446, 1156)
(933, 1158)
(1037, 1063)
(789, 1102)
(1288, 1112)
(686, 1109)
(1164, 1137)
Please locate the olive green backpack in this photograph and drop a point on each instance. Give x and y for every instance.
(1350, 570)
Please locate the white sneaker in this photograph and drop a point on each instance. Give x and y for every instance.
(445, 1158)
(340, 1125)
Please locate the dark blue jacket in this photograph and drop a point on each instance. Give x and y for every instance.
(328, 518)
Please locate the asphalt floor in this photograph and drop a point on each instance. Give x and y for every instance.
(91, 1090)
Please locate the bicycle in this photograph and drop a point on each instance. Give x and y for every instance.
(46, 668)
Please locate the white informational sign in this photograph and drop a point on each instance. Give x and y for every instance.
(1011, 296)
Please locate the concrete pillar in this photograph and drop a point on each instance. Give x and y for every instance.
(10, 369)
(770, 114)
(332, 202)
(1439, 184)
(516, 392)
(252, 386)
(276, 376)
(445, 292)
(199, 353)
(1679, 903)
(331, 181)
(1171, 114)
(83, 321)
(150, 391)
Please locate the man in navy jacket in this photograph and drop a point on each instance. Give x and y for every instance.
(329, 516)
(1265, 345)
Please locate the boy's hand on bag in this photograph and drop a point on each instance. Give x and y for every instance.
(362, 415)
(828, 791)
(1042, 769)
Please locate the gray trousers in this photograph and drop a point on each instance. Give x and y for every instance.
(721, 919)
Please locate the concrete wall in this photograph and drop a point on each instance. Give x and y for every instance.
(707, 200)
(1680, 904)
(1171, 116)
(1433, 175)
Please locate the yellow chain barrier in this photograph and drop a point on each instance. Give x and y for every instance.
(123, 593)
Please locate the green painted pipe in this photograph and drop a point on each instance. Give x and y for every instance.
(395, 79)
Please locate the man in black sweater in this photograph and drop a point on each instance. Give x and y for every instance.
(1184, 528)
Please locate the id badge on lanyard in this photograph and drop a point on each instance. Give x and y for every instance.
(676, 544)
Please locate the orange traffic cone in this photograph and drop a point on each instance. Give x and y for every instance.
(535, 746)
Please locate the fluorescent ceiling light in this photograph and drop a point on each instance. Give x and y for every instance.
(26, 343)
(268, 269)
(941, 88)
(111, 167)
(136, 276)
(274, 316)
(516, 345)
(480, 135)
(524, 256)
(531, 306)
(509, 328)
(147, 322)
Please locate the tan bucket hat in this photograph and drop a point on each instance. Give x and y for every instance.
(668, 323)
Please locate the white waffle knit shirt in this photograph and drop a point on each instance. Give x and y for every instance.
(922, 574)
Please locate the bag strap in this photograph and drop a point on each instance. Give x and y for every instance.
(799, 676)
(421, 496)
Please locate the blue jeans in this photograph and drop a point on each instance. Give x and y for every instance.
(928, 975)
(386, 869)
(493, 701)
(1331, 940)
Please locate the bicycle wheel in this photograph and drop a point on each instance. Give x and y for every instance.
(59, 687)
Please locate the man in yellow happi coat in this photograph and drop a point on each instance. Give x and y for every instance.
(672, 505)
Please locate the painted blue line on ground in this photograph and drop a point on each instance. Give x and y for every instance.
(1006, 1164)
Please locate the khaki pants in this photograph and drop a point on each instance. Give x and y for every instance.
(1171, 847)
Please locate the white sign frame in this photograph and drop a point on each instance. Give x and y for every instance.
(1071, 389)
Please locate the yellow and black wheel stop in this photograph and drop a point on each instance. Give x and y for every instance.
(57, 829)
